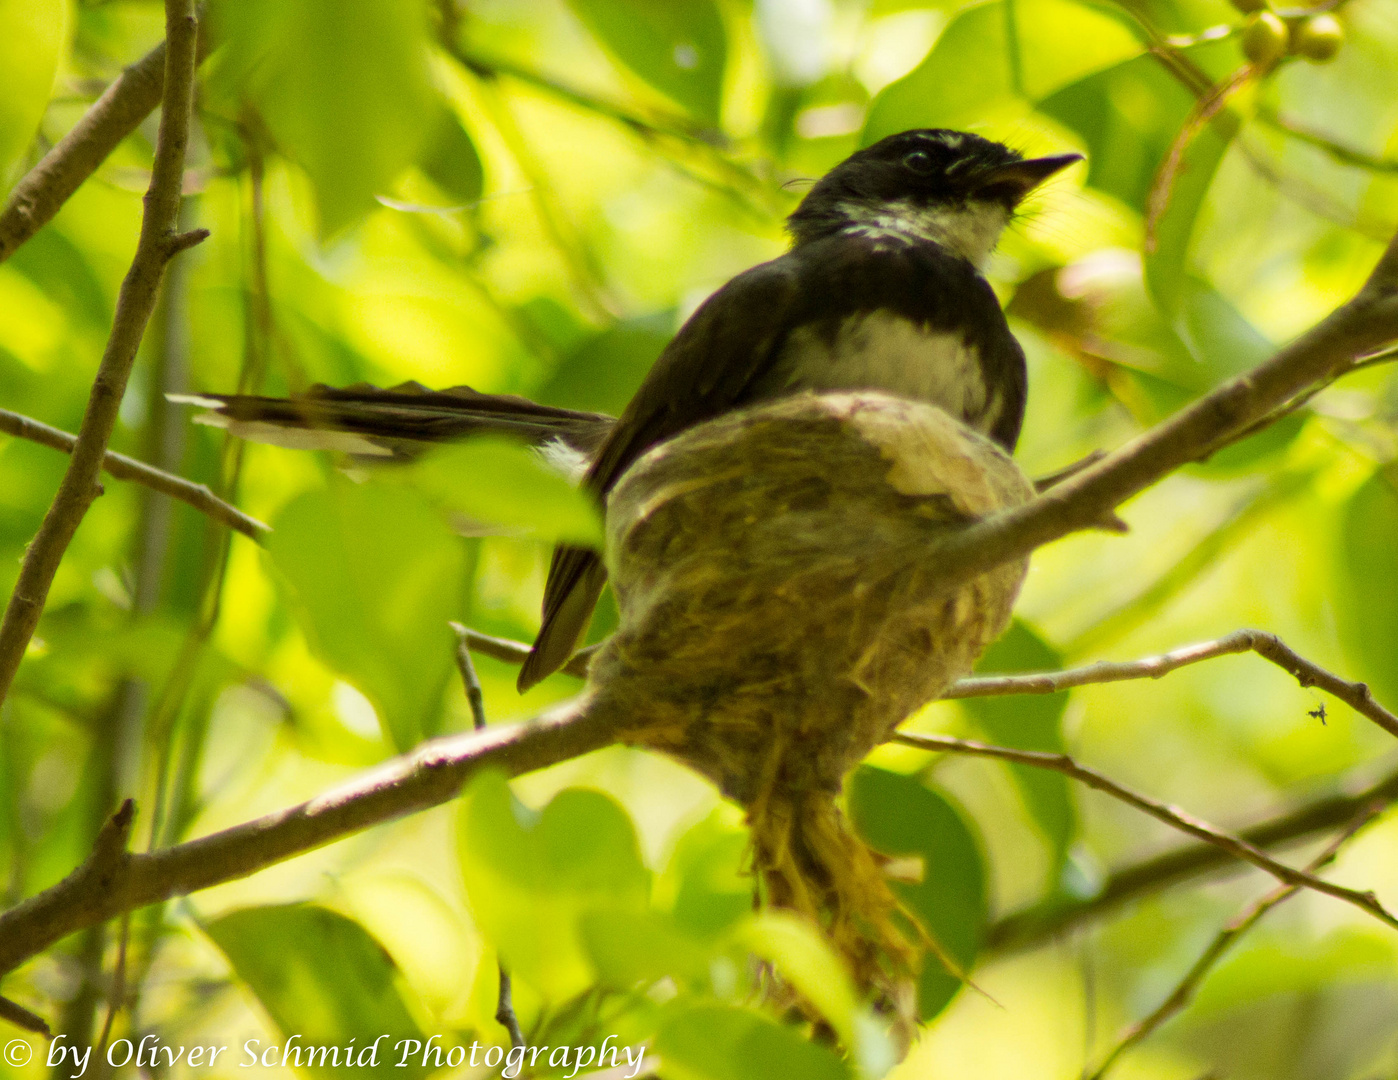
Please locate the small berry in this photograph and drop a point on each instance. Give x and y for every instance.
(1317, 38)
(1264, 38)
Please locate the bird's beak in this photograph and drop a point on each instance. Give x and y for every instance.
(1019, 178)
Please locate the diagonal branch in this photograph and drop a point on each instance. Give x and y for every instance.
(158, 243)
(428, 776)
(1047, 919)
(43, 190)
(1249, 917)
(127, 468)
(1359, 328)
(1170, 815)
(1357, 695)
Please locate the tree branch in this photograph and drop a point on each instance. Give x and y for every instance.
(157, 245)
(1268, 646)
(1357, 695)
(1360, 327)
(1170, 815)
(1033, 925)
(128, 468)
(430, 775)
(43, 190)
(1249, 917)
(436, 771)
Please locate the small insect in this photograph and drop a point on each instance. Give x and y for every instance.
(1318, 712)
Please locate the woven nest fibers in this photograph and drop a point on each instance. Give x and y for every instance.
(782, 611)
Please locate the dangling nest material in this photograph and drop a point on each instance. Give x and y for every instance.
(780, 616)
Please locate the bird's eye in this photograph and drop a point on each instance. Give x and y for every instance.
(919, 161)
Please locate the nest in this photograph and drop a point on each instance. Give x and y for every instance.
(780, 616)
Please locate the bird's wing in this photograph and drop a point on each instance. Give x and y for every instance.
(398, 421)
(730, 341)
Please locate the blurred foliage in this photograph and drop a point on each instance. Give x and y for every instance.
(527, 196)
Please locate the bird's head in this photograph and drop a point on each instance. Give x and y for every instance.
(952, 187)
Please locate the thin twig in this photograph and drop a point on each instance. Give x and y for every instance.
(116, 998)
(1056, 915)
(1204, 110)
(471, 682)
(43, 190)
(1268, 646)
(127, 468)
(158, 243)
(428, 776)
(22, 1018)
(1188, 986)
(1346, 155)
(1170, 815)
(514, 652)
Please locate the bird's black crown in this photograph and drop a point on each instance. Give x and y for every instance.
(926, 167)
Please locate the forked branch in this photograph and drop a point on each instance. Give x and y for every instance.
(158, 244)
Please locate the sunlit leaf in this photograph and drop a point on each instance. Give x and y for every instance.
(1167, 266)
(377, 575)
(530, 877)
(810, 964)
(32, 36)
(321, 977)
(973, 69)
(636, 948)
(502, 482)
(681, 49)
(897, 815)
(342, 85)
(717, 1042)
(449, 158)
(713, 891)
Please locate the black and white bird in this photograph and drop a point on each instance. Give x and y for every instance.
(883, 289)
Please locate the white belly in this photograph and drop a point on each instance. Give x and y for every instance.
(882, 351)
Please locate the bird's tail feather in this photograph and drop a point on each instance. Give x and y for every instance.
(396, 422)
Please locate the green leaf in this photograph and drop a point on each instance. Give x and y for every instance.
(717, 1042)
(342, 85)
(1127, 116)
(681, 49)
(1167, 266)
(531, 877)
(32, 36)
(713, 892)
(636, 948)
(897, 815)
(603, 373)
(377, 575)
(450, 160)
(321, 976)
(970, 71)
(810, 964)
(1368, 548)
(1030, 722)
(503, 482)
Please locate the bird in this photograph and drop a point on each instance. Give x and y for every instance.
(882, 289)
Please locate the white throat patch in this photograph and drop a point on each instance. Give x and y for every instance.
(970, 231)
